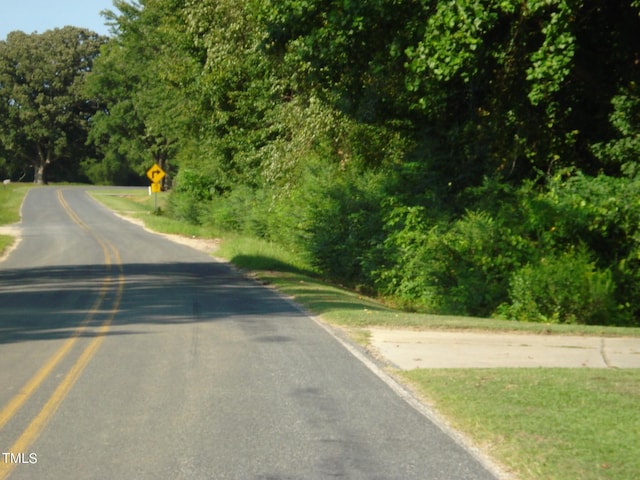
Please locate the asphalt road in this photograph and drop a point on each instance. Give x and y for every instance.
(126, 356)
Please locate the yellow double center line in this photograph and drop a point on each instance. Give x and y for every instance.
(33, 430)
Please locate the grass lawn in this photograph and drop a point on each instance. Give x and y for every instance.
(5, 242)
(544, 423)
(137, 203)
(541, 423)
(11, 197)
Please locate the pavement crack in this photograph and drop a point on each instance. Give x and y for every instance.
(603, 354)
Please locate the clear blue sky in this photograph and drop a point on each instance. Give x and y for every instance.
(41, 15)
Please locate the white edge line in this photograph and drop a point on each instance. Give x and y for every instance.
(459, 438)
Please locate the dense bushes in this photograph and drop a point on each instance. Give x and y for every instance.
(567, 288)
(476, 160)
(461, 267)
(564, 250)
(340, 222)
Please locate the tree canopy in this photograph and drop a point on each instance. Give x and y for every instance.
(44, 113)
(459, 156)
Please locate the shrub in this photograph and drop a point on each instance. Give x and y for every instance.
(189, 199)
(243, 209)
(335, 212)
(461, 267)
(402, 271)
(563, 288)
(182, 206)
(603, 213)
(194, 184)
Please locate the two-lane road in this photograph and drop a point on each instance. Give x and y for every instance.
(126, 356)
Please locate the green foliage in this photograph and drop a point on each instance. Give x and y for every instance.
(519, 78)
(551, 64)
(440, 153)
(242, 210)
(603, 213)
(194, 184)
(44, 113)
(515, 245)
(451, 40)
(112, 169)
(189, 198)
(460, 268)
(338, 220)
(625, 118)
(350, 54)
(186, 208)
(567, 288)
(144, 81)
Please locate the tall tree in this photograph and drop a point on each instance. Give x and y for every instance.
(45, 115)
(143, 81)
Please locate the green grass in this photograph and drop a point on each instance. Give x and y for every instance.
(351, 309)
(295, 277)
(541, 423)
(545, 423)
(5, 242)
(130, 201)
(11, 197)
(137, 203)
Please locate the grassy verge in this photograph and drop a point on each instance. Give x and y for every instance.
(5, 242)
(137, 203)
(11, 197)
(545, 423)
(541, 423)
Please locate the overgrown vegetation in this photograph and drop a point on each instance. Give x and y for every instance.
(542, 423)
(470, 157)
(294, 276)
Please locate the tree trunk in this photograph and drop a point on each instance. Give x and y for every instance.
(40, 173)
(40, 167)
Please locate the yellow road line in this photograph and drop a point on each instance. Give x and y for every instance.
(46, 413)
(34, 383)
(74, 216)
(41, 420)
(11, 408)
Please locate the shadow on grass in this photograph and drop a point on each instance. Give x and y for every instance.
(266, 263)
(345, 307)
(314, 293)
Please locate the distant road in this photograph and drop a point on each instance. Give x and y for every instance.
(126, 356)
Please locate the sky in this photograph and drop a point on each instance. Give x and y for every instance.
(41, 15)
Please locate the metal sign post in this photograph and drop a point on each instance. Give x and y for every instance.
(156, 174)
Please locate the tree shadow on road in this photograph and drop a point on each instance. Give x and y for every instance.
(54, 302)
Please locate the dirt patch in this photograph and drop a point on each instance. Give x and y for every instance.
(207, 245)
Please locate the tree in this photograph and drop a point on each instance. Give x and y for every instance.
(45, 115)
(144, 82)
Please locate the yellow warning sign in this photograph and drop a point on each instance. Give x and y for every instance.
(155, 173)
